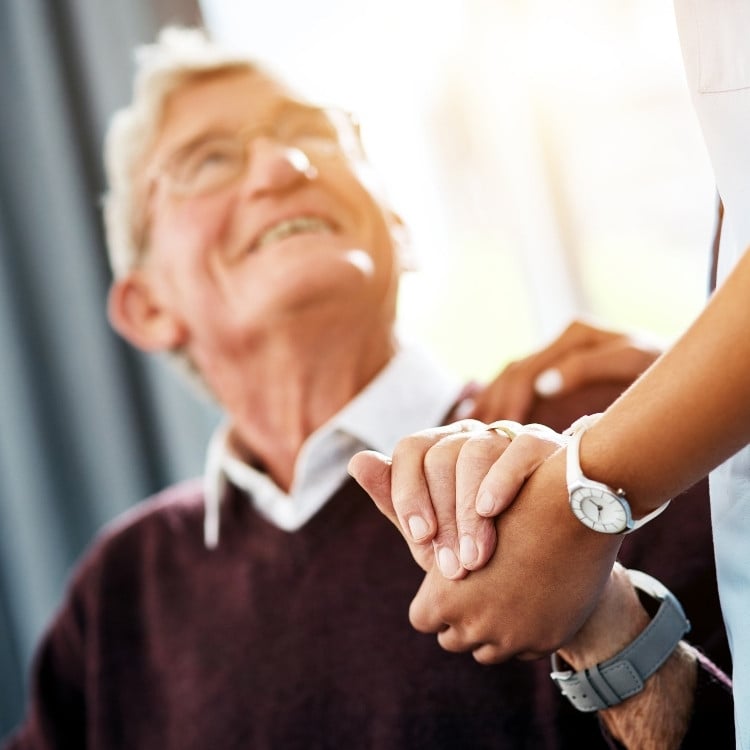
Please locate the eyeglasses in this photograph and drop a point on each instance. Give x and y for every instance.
(214, 161)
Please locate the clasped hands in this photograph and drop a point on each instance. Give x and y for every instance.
(468, 499)
(518, 584)
(443, 487)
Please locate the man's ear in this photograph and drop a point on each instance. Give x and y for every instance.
(137, 313)
(404, 247)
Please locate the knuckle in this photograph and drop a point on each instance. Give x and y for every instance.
(526, 439)
(426, 613)
(412, 444)
(468, 425)
(417, 618)
(575, 367)
(528, 443)
(439, 460)
(435, 470)
(480, 447)
(449, 640)
(488, 654)
(537, 440)
(447, 446)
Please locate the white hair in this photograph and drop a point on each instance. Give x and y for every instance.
(178, 56)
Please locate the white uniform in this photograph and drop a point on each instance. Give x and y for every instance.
(715, 39)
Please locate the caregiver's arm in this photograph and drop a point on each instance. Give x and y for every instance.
(690, 411)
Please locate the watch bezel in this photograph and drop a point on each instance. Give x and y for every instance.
(583, 489)
(576, 479)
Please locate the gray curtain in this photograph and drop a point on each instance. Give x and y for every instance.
(87, 427)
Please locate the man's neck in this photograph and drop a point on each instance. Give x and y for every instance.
(281, 398)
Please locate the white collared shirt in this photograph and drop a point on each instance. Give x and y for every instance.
(411, 393)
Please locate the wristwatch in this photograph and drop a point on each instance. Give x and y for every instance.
(594, 504)
(612, 681)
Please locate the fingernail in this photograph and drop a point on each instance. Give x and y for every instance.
(418, 528)
(549, 382)
(447, 562)
(468, 550)
(485, 503)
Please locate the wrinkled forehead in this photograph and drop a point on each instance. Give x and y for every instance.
(223, 101)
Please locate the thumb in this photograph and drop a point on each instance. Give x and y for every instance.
(372, 470)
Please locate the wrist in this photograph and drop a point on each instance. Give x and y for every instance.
(602, 461)
(605, 684)
(618, 619)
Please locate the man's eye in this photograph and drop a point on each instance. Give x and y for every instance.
(206, 162)
(214, 158)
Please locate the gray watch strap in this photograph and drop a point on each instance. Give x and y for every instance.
(612, 681)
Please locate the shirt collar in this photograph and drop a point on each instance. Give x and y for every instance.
(411, 393)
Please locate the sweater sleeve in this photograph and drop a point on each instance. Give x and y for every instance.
(712, 722)
(55, 716)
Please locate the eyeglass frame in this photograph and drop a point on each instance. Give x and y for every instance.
(341, 120)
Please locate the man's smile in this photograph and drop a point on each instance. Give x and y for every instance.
(288, 227)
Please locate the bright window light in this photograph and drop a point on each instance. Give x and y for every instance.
(545, 155)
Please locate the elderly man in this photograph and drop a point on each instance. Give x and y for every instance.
(264, 605)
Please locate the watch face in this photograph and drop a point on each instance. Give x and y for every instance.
(599, 509)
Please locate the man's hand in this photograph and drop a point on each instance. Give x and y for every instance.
(581, 355)
(443, 487)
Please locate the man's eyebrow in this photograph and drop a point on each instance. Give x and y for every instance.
(294, 107)
(189, 145)
(284, 108)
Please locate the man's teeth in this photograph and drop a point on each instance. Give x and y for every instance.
(289, 227)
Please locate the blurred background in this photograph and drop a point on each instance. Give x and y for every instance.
(545, 156)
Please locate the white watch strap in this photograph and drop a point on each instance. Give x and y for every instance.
(612, 681)
(574, 473)
(643, 520)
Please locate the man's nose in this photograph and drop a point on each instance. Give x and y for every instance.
(275, 167)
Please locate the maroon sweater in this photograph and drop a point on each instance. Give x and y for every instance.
(276, 641)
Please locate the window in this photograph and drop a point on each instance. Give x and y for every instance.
(545, 156)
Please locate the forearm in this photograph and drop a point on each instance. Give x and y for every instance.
(659, 715)
(687, 414)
